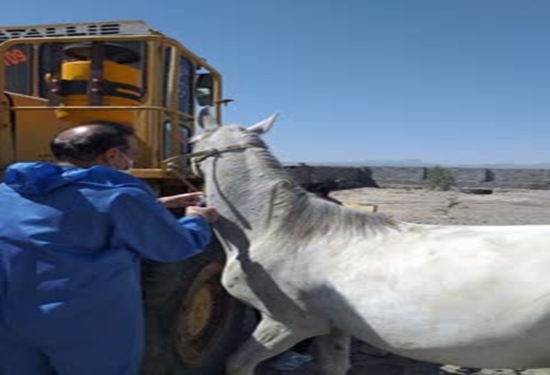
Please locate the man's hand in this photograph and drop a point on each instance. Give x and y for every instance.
(180, 200)
(210, 214)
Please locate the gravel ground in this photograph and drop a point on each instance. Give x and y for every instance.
(503, 207)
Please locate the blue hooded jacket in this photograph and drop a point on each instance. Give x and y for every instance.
(71, 240)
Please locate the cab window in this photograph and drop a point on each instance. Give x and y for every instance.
(18, 68)
(185, 85)
(52, 55)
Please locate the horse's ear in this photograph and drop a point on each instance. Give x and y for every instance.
(206, 120)
(264, 125)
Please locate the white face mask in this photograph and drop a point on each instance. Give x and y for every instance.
(128, 160)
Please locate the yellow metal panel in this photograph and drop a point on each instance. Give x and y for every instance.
(113, 72)
(34, 129)
(6, 136)
(152, 173)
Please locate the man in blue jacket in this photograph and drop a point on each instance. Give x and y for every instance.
(71, 239)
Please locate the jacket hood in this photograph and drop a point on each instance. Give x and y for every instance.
(41, 177)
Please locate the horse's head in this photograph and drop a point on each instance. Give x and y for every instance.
(221, 137)
(214, 142)
(218, 155)
(217, 139)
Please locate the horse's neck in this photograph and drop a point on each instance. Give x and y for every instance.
(245, 187)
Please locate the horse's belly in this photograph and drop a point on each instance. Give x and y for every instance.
(469, 338)
(509, 353)
(478, 309)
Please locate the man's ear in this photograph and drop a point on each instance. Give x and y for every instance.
(108, 157)
(111, 153)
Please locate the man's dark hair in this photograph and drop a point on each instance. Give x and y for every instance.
(86, 146)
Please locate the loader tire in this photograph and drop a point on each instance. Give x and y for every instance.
(192, 324)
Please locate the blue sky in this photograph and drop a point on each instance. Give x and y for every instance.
(442, 81)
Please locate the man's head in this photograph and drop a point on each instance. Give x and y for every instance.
(96, 143)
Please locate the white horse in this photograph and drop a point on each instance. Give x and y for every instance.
(473, 296)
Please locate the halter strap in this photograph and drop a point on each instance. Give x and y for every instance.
(201, 155)
(174, 162)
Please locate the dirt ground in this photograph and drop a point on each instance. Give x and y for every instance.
(502, 207)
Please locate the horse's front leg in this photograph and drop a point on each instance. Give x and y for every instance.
(332, 353)
(269, 339)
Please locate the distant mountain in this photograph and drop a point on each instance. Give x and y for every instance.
(373, 163)
(506, 166)
(420, 163)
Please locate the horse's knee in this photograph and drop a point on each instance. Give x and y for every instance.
(236, 366)
(334, 364)
(269, 339)
(333, 353)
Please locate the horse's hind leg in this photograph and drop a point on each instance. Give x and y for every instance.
(332, 353)
(269, 339)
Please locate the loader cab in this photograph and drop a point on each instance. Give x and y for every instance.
(59, 76)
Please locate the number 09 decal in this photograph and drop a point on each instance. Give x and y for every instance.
(15, 57)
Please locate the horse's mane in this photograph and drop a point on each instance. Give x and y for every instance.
(297, 213)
